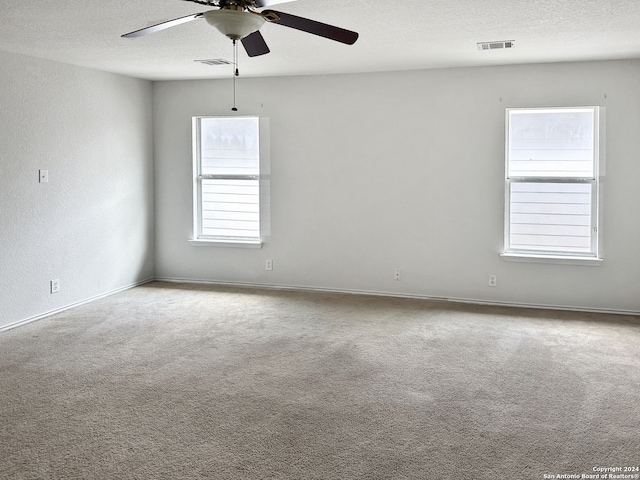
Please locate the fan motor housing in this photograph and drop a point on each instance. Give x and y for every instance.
(235, 24)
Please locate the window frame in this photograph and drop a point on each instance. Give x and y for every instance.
(199, 239)
(594, 256)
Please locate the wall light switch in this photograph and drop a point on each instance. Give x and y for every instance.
(44, 176)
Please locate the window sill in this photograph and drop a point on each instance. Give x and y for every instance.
(558, 259)
(225, 243)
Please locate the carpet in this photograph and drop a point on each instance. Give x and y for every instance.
(180, 381)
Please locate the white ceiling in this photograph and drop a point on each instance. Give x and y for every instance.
(394, 35)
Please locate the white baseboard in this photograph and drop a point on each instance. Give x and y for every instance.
(303, 288)
(20, 323)
(400, 295)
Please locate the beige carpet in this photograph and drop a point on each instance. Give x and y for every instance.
(186, 382)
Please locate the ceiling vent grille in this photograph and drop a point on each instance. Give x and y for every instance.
(215, 61)
(496, 45)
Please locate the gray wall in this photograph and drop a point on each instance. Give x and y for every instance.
(91, 226)
(403, 170)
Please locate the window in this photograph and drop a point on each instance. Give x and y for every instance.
(552, 182)
(226, 180)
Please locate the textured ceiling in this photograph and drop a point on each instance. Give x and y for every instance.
(403, 35)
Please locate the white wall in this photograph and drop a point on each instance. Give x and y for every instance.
(403, 170)
(91, 226)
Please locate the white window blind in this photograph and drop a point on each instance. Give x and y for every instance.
(552, 181)
(227, 164)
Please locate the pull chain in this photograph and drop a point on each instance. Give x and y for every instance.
(236, 73)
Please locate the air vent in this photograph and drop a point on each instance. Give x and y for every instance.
(495, 45)
(215, 61)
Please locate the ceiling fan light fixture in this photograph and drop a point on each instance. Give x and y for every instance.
(235, 24)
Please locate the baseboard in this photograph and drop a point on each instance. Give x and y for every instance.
(401, 295)
(20, 323)
(303, 288)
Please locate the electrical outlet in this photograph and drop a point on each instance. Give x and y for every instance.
(268, 265)
(493, 281)
(43, 175)
(55, 285)
(396, 274)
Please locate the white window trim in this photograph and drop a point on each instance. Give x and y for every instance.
(198, 240)
(558, 259)
(224, 243)
(594, 259)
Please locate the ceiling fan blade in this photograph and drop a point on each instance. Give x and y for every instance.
(255, 45)
(208, 3)
(162, 26)
(311, 26)
(268, 3)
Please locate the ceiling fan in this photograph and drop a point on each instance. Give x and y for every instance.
(239, 20)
